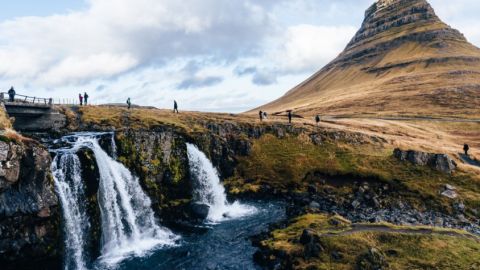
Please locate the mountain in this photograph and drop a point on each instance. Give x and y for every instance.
(403, 61)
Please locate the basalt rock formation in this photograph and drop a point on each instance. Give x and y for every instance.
(29, 216)
(403, 61)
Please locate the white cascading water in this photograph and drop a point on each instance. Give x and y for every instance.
(68, 183)
(128, 223)
(210, 191)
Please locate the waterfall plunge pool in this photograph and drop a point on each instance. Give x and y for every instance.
(224, 245)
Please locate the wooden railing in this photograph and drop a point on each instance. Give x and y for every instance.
(4, 96)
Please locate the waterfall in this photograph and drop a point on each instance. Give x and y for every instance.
(127, 220)
(69, 187)
(210, 191)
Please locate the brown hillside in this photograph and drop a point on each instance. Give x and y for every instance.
(403, 61)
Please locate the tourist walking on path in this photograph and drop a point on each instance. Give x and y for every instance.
(129, 103)
(80, 97)
(11, 94)
(466, 148)
(260, 114)
(175, 107)
(289, 117)
(85, 98)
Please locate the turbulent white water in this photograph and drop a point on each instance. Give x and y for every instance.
(69, 187)
(210, 191)
(128, 223)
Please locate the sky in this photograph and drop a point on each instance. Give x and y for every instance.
(209, 55)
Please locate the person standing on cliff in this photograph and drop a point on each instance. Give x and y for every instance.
(466, 148)
(129, 103)
(175, 106)
(85, 97)
(80, 97)
(317, 119)
(260, 114)
(290, 117)
(11, 94)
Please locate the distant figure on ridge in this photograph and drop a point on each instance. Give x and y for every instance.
(260, 114)
(317, 119)
(85, 97)
(289, 117)
(466, 148)
(80, 97)
(129, 103)
(11, 94)
(265, 116)
(175, 106)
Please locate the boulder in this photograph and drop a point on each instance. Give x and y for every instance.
(440, 162)
(373, 259)
(199, 210)
(311, 243)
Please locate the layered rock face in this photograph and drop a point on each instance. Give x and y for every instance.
(403, 61)
(29, 216)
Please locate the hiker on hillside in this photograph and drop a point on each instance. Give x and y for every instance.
(260, 114)
(265, 116)
(11, 94)
(175, 106)
(317, 119)
(129, 103)
(466, 148)
(80, 97)
(85, 98)
(289, 117)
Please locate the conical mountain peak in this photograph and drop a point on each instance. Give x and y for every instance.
(403, 60)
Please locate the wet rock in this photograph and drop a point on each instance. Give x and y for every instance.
(199, 210)
(29, 217)
(314, 205)
(439, 162)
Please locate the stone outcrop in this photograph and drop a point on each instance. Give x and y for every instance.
(29, 214)
(159, 158)
(439, 162)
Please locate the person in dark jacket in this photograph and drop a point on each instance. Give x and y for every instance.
(85, 98)
(466, 148)
(290, 117)
(175, 106)
(11, 94)
(80, 97)
(260, 114)
(129, 103)
(317, 119)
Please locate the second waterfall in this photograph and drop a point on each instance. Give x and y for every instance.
(210, 191)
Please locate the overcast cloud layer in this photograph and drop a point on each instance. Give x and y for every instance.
(210, 55)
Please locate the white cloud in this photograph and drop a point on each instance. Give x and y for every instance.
(308, 47)
(208, 54)
(118, 35)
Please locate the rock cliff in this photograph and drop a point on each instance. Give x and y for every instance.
(29, 214)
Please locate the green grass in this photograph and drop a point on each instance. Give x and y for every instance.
(284, 163)
(401, 250)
